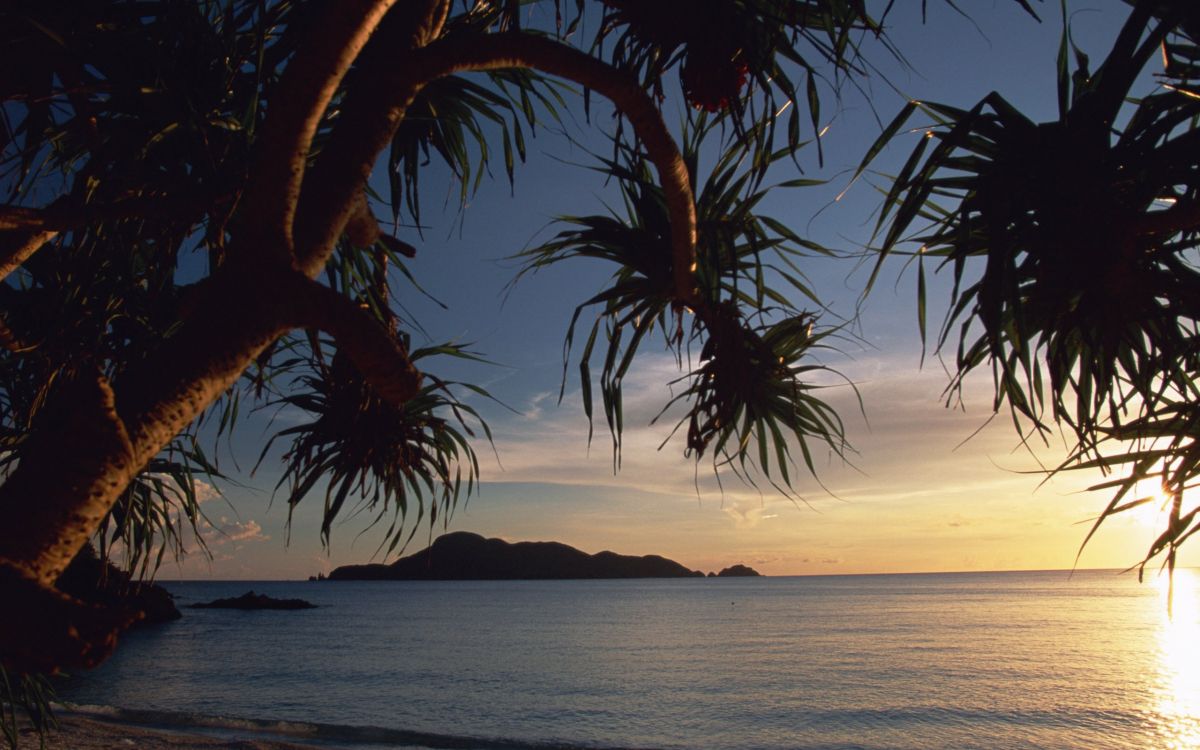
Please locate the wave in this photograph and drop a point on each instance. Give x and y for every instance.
(947, 716)
(927, 722)
(333, 735)
(921, 720)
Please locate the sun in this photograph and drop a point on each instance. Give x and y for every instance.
(1153, 512)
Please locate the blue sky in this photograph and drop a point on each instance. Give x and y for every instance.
(917, 497)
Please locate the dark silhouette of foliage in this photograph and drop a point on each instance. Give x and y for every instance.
(753, 378)
(179, 175)
(1072, 245)
(187, 234)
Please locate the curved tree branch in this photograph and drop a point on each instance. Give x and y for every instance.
(308, 85)
(17, 247)
(89, 444)
(53, 497)
(22, 232)
(373, 110)
(373, 349)
(622, 89)
(365, 131)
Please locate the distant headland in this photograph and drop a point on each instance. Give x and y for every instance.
(463, 556)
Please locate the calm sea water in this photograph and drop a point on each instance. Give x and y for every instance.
(1002, 660)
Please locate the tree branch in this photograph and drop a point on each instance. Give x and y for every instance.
(22, 232)
(53, 502)
(87, 445)
(364, 132)
(373, 110)
(308, 85)
(373, 349)
(622, 89)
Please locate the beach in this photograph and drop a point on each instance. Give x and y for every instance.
(84, 733)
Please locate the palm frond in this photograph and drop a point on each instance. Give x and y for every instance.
(390, 462)
(750, 384)
(1073, 249)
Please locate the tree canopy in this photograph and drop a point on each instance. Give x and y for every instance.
(1073, 248)
(188, 231)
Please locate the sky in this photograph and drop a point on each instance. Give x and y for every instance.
(927, 488)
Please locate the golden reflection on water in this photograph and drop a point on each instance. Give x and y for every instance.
(1179, 662)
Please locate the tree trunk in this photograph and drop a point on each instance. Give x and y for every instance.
(86, 448)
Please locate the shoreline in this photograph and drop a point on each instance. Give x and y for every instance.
(78, 731)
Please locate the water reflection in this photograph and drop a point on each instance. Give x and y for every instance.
(1179, 663)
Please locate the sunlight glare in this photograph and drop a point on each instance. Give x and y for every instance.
(1178, 699)
(1153, 513)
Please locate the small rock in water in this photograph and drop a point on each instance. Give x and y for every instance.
(251, 600)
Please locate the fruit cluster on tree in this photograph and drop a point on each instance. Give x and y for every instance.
(187, 230)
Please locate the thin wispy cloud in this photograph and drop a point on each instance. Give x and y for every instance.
(237, 531)
(906, 433)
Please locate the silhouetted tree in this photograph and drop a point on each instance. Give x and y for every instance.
(139, 137)
(180, 174)
(1073, 246)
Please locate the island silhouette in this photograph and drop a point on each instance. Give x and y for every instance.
(462, 555)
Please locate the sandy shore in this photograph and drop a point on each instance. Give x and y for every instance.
(82, 733)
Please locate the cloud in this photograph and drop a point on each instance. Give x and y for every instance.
(915, 489)
(747, 514)
(909, 445)
(205, 491)
(240, 532)
(535, 410)
(243, 532)
(744, 519)
(926, 485)
(250, 531)
(554, 447)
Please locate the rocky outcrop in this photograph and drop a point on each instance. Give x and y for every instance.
(465, 556)
(95, 581)
(251, 600)
(734, 571)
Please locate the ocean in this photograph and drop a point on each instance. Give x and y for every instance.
(898, 662)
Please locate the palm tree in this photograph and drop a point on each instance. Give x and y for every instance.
(1073, 248)
(136, 134)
